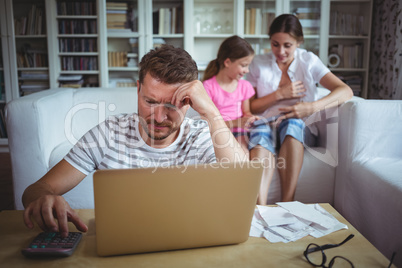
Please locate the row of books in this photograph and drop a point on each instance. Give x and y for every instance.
(346, 24)
(77, 27)
(309, 18)
(121, 16)
(2, 95)
(116, 15)
(78, 45)
(354, 81)
(168, 20)
(351, 56)
(3, 129)
(79, 63)
(78, 80)
(87, 8)
(256, 21)
(32, 59)
(32, 24)
(122, 82)
(33, 81)
(117, 59)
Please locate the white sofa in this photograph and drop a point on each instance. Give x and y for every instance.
(44, 126)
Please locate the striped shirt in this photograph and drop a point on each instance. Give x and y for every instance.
(117, 143)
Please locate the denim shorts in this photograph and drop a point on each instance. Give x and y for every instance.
(266, 135)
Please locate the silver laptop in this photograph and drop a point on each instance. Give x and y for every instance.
(148, 210)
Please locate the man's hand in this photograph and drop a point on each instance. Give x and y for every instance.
(194, 94)
(46, 209)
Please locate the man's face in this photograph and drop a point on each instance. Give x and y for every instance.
(159, 120)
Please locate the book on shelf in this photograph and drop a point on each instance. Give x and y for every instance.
(117, 59)
(1, 86)
(168, 20)
(309, 18)
(74, 81)
(31, 24)
(342, 23)
(354, 81)
(89, 63)
(122, 82)
(3, 128)
(351, 56)
(34, 75)
(121, 17)
(29, 57)
(78, 45)
(78, 80)
(76, 8)
(257, 22)
(70, 26)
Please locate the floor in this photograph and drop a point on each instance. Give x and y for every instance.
(6, 185)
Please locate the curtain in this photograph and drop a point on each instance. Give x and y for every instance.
(385, 72)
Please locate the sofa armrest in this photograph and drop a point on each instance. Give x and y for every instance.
(38, 120)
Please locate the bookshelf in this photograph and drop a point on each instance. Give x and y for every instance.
(124, 23)
(54, 43)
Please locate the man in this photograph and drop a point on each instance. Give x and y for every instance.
(158, 135)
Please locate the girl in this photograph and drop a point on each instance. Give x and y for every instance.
(231, 94)
(285, 83)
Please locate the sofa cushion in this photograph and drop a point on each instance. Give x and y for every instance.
(316, 180)
(374, 203)
(59, 152)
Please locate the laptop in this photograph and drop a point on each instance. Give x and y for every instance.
(170, 208)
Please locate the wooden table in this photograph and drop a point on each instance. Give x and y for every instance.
(256, 252)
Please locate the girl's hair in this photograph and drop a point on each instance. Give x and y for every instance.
(232, 48)
(287, 23)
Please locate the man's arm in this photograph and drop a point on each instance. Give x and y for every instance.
(43, 201)
(225, 145)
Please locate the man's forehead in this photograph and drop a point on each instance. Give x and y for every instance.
(154, 88)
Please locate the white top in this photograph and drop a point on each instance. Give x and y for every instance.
(265, 76)
(117, 143)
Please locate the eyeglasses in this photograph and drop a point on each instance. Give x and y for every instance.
(315, 255)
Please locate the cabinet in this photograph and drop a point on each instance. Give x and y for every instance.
(56, 43)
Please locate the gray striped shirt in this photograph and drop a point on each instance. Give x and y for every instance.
(117, 143)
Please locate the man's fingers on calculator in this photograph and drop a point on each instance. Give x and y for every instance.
(27, 218)
(75, 219)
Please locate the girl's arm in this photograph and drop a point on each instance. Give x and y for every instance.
(246, 119)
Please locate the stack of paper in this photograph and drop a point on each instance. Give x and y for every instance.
(292, 221)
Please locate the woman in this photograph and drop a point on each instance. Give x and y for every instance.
(285, 83)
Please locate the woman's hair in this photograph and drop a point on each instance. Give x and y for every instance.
(232, 48)
(168, 65)
(287, 23)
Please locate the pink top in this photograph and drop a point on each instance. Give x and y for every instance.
(229, 103)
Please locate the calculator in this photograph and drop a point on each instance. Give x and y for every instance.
(51, 244)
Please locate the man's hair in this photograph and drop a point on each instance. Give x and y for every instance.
(169, 65)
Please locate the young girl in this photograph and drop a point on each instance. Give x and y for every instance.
(231, 94)
(285, 83)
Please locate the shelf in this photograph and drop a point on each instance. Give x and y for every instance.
(124, 34)
(348, 37)
(168, 35)
(77, 35)
(123, 69)
(348, 69)
(80, 72)
(78, 54)
(212, 35)
(76, 17)
(30, 36)
(33, 69)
